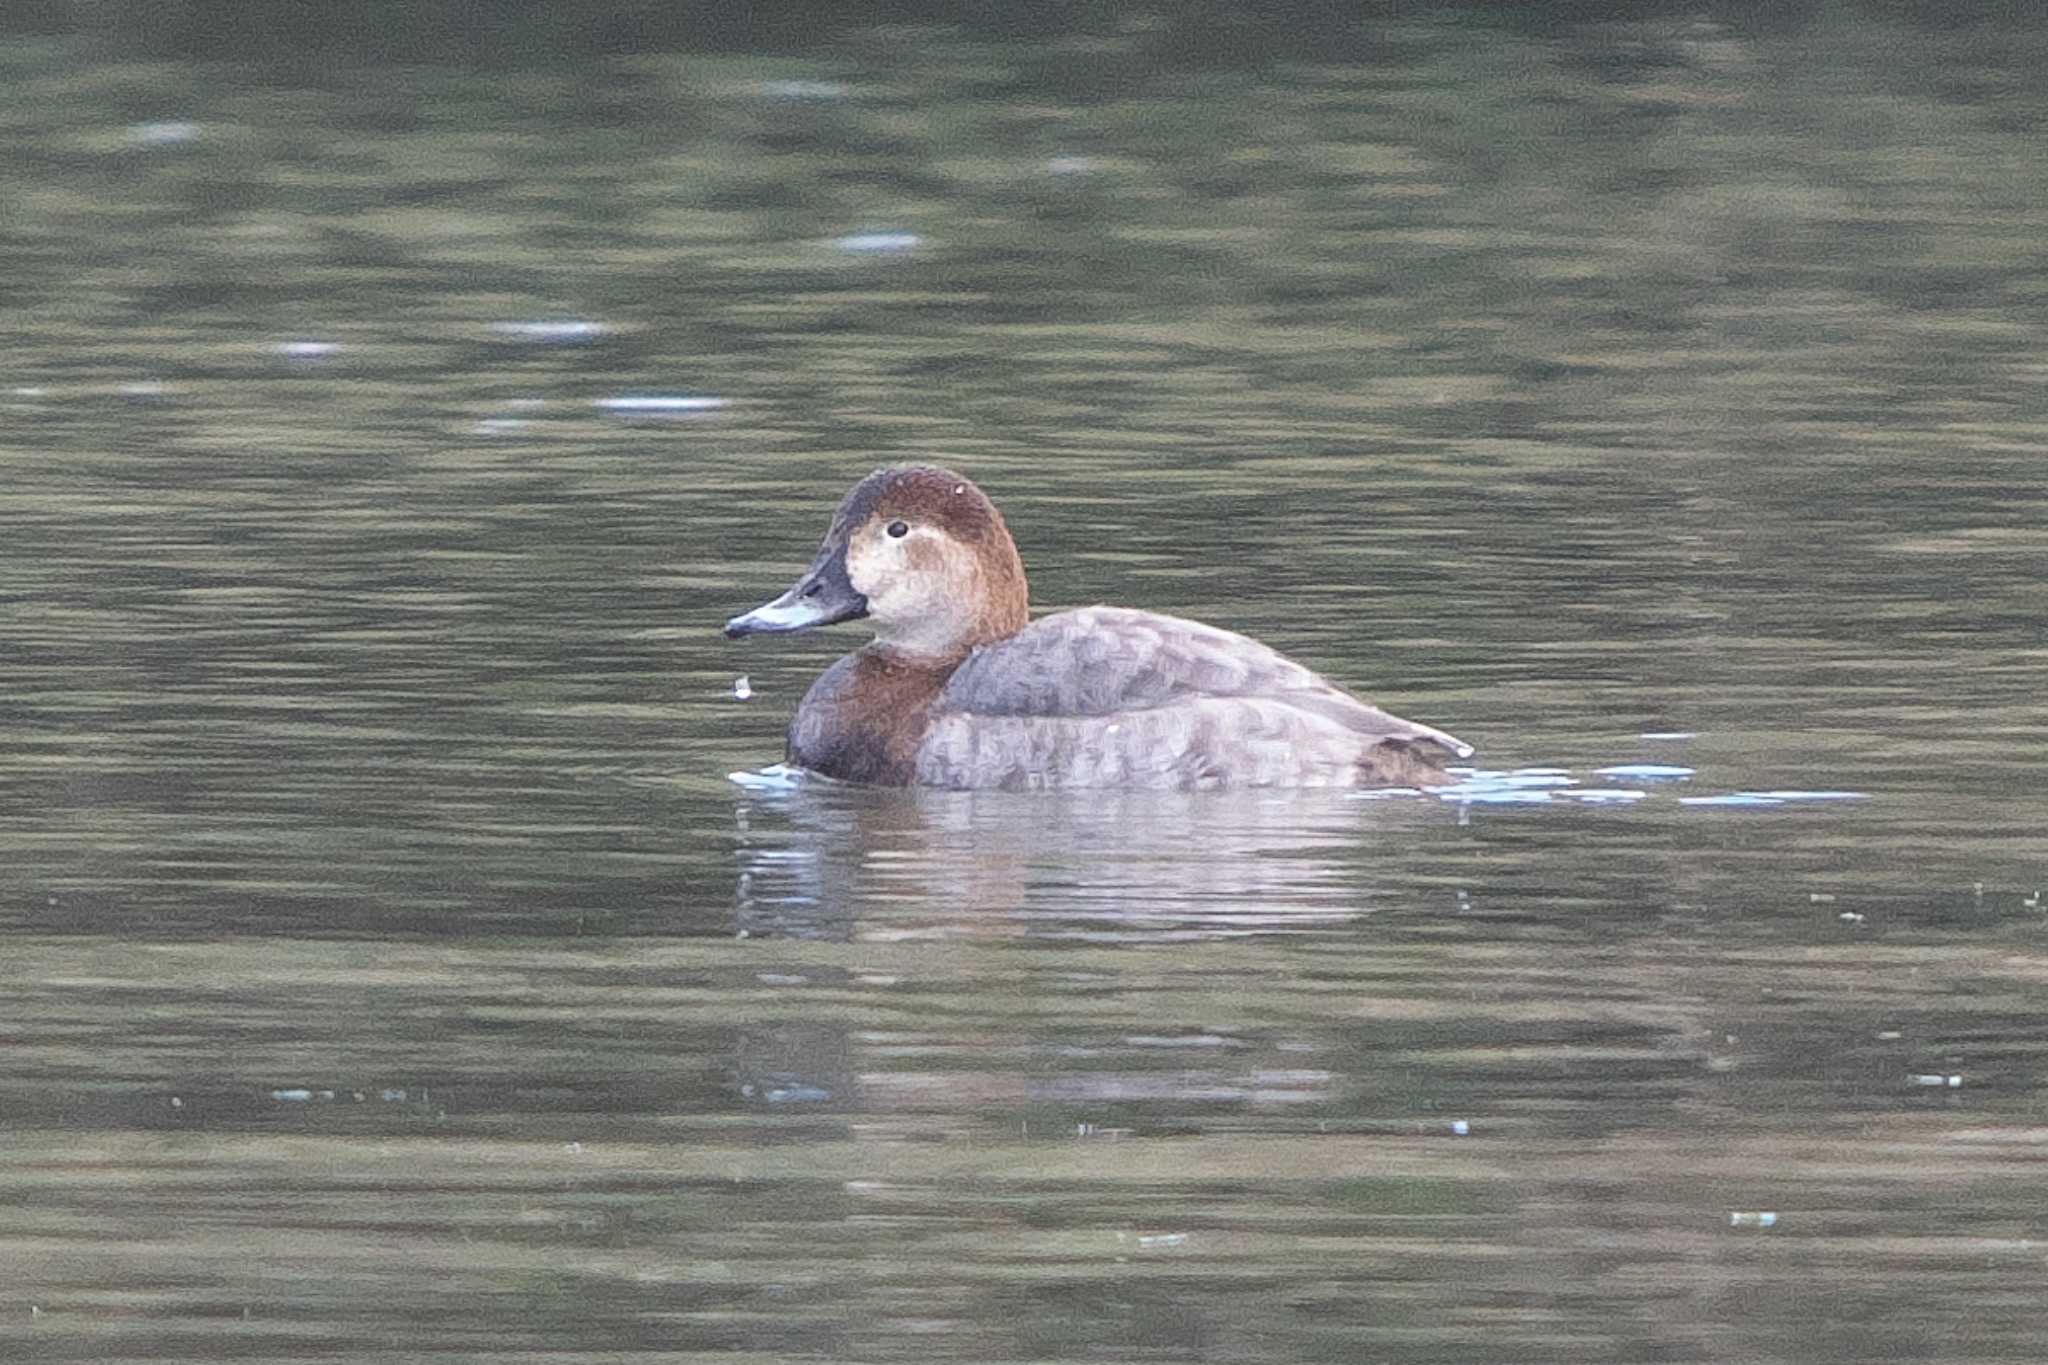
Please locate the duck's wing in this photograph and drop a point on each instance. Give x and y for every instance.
(1113, 662)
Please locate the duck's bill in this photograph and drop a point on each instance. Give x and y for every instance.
(821, 597)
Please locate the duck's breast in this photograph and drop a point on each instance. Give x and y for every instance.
(862, 720)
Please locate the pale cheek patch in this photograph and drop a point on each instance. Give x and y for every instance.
(867, 568)
(877, 575)
(925, 592)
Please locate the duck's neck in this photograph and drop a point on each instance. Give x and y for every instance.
(1006, 597)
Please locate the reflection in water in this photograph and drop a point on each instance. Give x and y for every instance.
(823, 859)
(819, 859)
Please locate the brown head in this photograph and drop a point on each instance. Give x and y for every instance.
(922, 553)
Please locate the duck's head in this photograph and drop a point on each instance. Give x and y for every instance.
(922, 553)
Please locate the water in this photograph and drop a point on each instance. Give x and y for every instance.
(392, 967)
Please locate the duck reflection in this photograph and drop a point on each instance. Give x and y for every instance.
(986, 1041)
(820, 860)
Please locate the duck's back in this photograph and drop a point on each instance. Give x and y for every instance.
(1110, 697)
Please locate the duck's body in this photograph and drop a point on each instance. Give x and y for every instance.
(960, 689)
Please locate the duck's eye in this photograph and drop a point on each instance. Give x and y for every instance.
(898, 529)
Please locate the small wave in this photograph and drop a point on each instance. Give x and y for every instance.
(1770, 798)
(776, 777)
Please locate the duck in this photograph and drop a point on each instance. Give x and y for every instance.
(961, 688)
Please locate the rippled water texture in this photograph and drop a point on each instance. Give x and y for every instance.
(409, 948)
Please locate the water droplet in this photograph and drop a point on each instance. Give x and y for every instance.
(802, 90)
(163, 133)
(659, 405)
(877, 243)
(560, 332)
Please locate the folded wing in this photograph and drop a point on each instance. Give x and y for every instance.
(1110, 696)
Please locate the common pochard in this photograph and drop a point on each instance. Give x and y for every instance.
(961, 688)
